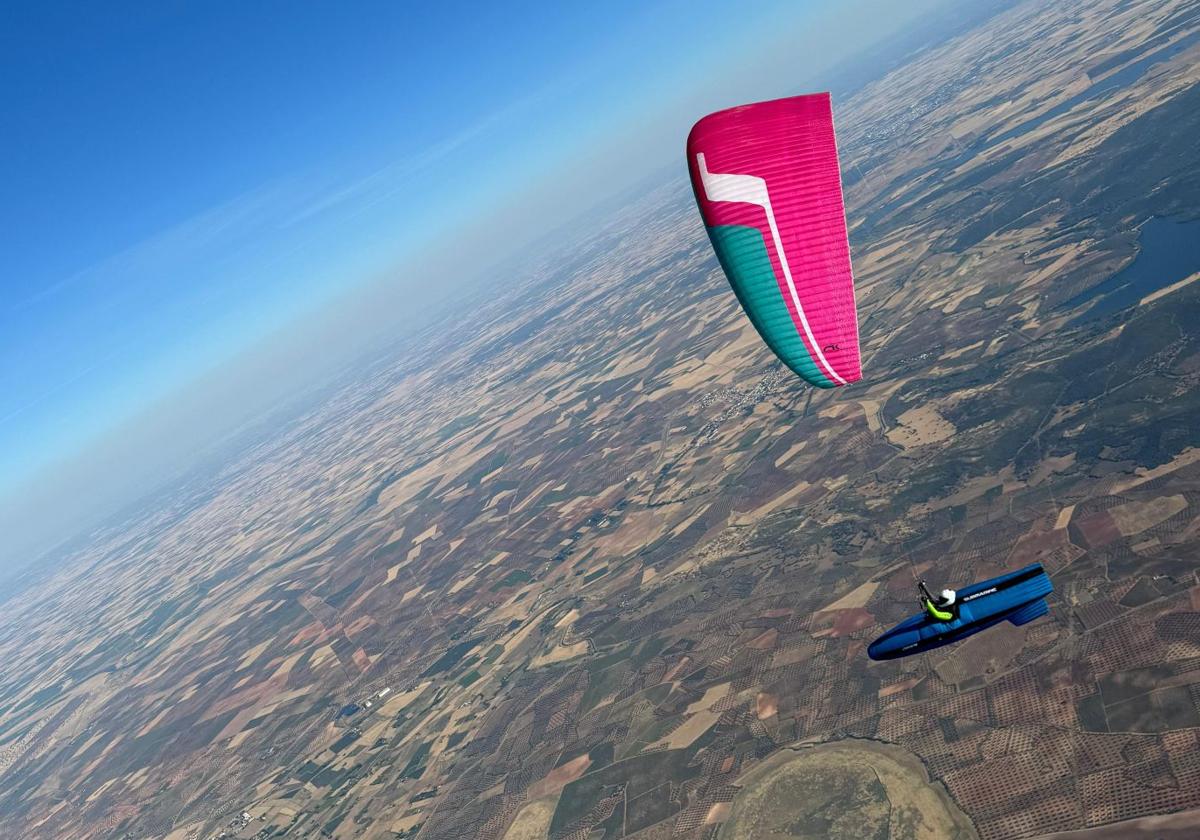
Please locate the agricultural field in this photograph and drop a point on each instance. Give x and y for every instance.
(596, 566)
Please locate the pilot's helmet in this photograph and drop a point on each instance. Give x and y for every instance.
(947, 596)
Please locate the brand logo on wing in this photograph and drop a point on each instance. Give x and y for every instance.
(979, 594)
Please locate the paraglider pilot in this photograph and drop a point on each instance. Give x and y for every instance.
(942, 607)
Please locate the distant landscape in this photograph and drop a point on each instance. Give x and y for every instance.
(594, 565)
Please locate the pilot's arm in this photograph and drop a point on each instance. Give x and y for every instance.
(935, 613)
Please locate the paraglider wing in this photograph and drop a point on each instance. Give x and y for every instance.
(769, 188)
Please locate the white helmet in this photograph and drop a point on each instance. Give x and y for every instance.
(948, 596)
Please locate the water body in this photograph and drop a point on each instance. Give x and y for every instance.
(1125, 76)
(1168, 251)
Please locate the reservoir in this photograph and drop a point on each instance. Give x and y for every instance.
(1168, 251)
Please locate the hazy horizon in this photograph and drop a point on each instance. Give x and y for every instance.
(167, 322)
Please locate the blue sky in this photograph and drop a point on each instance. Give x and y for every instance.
(184, 179)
